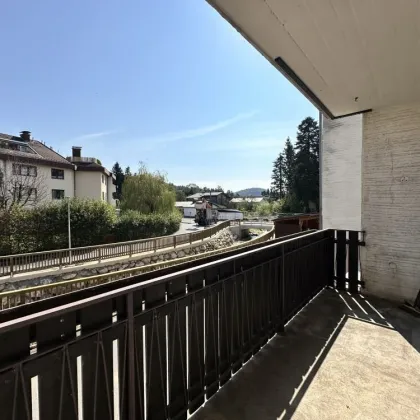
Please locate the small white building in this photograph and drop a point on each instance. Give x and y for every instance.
(229, 214)
(186, 207)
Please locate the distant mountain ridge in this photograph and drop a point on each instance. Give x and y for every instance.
(250, 192)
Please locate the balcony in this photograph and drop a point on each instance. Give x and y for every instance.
(276, 332)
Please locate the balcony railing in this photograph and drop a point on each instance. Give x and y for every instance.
(157, 349)
(21, 263)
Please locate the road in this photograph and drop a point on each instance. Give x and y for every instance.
(189, 226)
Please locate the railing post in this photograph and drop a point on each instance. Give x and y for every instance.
(282, 291)
(190, 238)
(131, 359)
(174, 241)
(60, 260)
(100, 253)
(154, 245)
(11, 266)
(130, 247)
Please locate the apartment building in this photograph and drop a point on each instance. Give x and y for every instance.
(32, 173)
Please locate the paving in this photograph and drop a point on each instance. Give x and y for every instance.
(342, 357)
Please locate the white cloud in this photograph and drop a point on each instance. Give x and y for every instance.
(201, 131)
(91, 136)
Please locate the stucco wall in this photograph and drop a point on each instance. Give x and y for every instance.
(341, 163)
(111, 188)
(43, 181)
(391, 202)
(89, 184)
(66, 184)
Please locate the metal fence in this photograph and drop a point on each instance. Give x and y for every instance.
(21, 263)
(13, 298)
(158, 349)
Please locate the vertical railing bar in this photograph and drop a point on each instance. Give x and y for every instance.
(131, 359)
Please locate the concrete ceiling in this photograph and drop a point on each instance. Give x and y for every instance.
(346, 56)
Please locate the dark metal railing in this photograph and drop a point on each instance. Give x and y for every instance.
(21, 263)
(157, 349)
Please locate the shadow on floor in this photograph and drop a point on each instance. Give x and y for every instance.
(272, 384)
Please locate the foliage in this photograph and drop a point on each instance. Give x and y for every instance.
(306, 171)
(264, 209)
(296, 171)
(119, 180)
(289, 164)
(46, 226)
(277, 178)
(147, 193)
(135, 225)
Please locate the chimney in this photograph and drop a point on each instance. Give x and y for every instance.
(76, 151)
(25, 135)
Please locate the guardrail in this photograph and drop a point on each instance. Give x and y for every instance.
(22, 263)
(18, 297)
(160, 348)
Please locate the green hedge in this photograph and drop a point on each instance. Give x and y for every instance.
(92, 222)
(135, 225)
(45, 227)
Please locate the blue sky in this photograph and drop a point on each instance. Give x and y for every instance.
(169, 83)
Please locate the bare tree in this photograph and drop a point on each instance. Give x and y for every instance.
(21, 183)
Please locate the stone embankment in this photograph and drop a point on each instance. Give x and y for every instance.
(223, 239)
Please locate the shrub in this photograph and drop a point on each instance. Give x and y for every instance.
(45, 227)
(135, 225)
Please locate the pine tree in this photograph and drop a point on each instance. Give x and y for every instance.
(119, 180)
(277, 178)
(288, 165)
(128, 171)
(306, 171)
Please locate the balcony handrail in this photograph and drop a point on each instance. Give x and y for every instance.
(20, 263)
(211, 318)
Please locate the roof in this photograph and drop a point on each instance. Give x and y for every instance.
(92, 166)
(37, 152)
(345, 56)
(195, 196)
(228, 210)
(247, 199)
(184, 204)
(204, 194)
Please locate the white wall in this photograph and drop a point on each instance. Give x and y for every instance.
(391, 202)
(189, 211)
(341, 178)
(66, 184)
(111, 189)
(43, 181)
(89, 184)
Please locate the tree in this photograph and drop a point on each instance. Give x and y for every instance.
(288, 165)
(21, 184)
(119, 180)
(277, 178)
(306, 168)
(127, 171)
(148, 193)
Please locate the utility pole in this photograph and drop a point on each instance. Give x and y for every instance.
(69, 227)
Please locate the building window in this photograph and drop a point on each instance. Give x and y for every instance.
(103, 196)
(25, 170)
(57, 194)
(57, 173)
(103, 179)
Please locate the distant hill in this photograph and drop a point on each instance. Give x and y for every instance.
(250, 192)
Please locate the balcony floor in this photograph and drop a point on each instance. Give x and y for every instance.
(342, 357)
